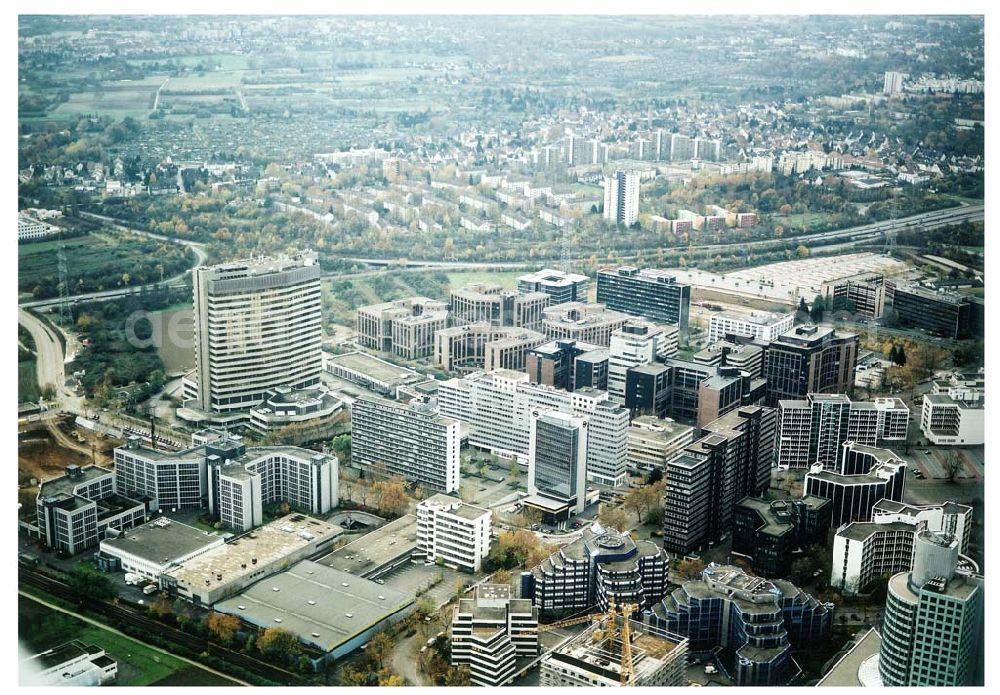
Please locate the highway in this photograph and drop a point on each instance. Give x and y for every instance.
(197, 248)
(865, 232)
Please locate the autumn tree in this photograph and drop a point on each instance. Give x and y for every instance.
(613, 517)
(223, 627)
(279, 645)
(391, 497)
(520, 548)
(691, 568)
(380, 649)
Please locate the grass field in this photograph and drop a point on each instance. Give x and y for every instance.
(41, 628)
(27, 382)
(506, 279)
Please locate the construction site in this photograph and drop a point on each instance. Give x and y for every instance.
(615, 650)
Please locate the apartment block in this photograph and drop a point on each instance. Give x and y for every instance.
(653, 294)
(413, 441)
(621, 198)
(455, 532)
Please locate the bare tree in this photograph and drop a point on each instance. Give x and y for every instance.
(952, 465)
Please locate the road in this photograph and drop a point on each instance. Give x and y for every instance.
(156, 102)
(101, 625)
(201, 256)
(404, 660)
(50, 361)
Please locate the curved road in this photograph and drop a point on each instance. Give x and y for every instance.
(198, 248)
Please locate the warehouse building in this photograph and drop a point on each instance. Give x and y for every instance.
(220, 572)
(151, 549)
(329, 611)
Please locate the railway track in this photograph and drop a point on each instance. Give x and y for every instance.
(130, 616)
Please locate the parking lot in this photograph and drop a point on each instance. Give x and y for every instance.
(411, 577)
(930, 462)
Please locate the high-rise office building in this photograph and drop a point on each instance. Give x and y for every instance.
(557, 464)
(621, 197)
(759, 325)
(635, 344)
(731, 460)
(864, 552)
(932, 633)
(257, 326)
(810, 359)
(814, 430)
(559, 285)
(499, 405)
(557, 363)
(868, 476)
(653, 294)
(600, 566)
(410, 440)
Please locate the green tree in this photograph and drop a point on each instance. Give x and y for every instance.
(818, 307)
(89, 581)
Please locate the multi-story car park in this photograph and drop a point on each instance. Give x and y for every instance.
(455, 532)
(257, 327)
(653, 294)
(490, 631)
(414, 441)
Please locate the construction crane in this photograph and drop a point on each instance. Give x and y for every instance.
(610, 620)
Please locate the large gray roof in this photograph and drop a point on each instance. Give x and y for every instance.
(313, 602)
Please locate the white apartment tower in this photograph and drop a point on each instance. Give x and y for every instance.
(257, 327)
(456, 532)
(621, 197)
(410, 440)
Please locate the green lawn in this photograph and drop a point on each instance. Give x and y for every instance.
(41, 628)
(505, 278)
(27, 382)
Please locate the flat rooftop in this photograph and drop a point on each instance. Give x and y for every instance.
(67, 483)
(322, 606)
(161, 541)
(380, 370)
(652, 427)
(375, 549)
(267, 544)
(846, 672)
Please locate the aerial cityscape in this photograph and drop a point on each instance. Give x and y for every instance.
(501, 350)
